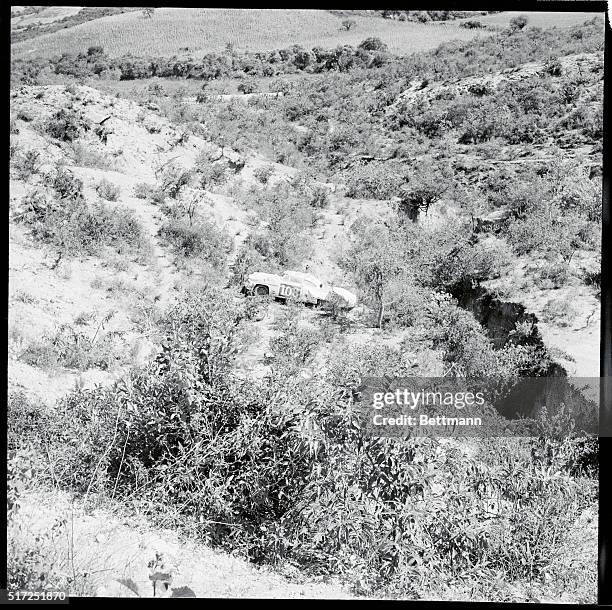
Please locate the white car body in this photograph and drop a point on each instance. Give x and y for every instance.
(303, 287)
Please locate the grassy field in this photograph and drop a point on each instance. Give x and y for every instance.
(539, 19)
(209, 30)
(47, 14)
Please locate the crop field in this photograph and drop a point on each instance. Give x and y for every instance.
(47, 14)
(542, 20)
(171, 31)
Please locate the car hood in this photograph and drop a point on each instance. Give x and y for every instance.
(259, 276)
(345, 295)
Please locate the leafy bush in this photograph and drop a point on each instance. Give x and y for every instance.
(263, 173)
(66, 124)
(201, 239)
(66, 184)
(553, 67)
(87, 155)
(248, 87)
(319, 197)
(559, 311)
(107, 190)
(518, 22)
(172, 180)
(373, 181)
(553, 275)
(248, 260)
(142, 190)
(77, 228)
(26, 163)
(73, 349)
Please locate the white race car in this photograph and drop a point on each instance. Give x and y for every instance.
(303, 287)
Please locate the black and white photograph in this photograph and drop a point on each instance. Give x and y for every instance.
(305, 303)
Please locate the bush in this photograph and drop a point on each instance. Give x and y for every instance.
(86, 155)
(201, 239)
(73, 349)
(107, 190)
(373, 44)
(553, 67)
(559, 311)
(518, 22)
(319, 197)
(173, 179)
(142, 190)
(263, 173)
(75, 227)
(373, 181)
(248, 87)
(26, 163)
(66, 184)
(248, 260)
(66, 124)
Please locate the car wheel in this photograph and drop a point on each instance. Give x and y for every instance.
(261, 291)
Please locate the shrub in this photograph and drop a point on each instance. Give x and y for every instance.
(75, 227)
(210, 174)
(263, 173)
(23, 115)
(66, 184)
(518, 22)
(74, 349)
(173, 179)
(319, 197)
(86, 155)
(553, 275)
(373, 44)
(66, 124)
(27, 163)
(248, 260)
(559, 311)
(142, 190)
(107, 190)
(201, 239)
(248, 87)
(553, 67)
(372, 181)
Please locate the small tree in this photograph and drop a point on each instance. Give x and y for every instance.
(377, 262)
(148, 12)
(424, 186)
(373, 44)
(348, 24)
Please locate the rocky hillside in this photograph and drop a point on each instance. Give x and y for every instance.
(119, 206)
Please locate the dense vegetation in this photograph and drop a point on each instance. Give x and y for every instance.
(292, 476)
(450, 60)
(281, 469)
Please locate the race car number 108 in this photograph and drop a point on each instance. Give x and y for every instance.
(289, 291)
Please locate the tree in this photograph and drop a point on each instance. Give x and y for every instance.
(518, 23)
(148, 12)
(348, 24)
(424, 186)
(377, 262)
(373, 44)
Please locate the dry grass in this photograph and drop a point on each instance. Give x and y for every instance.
(209, 30)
